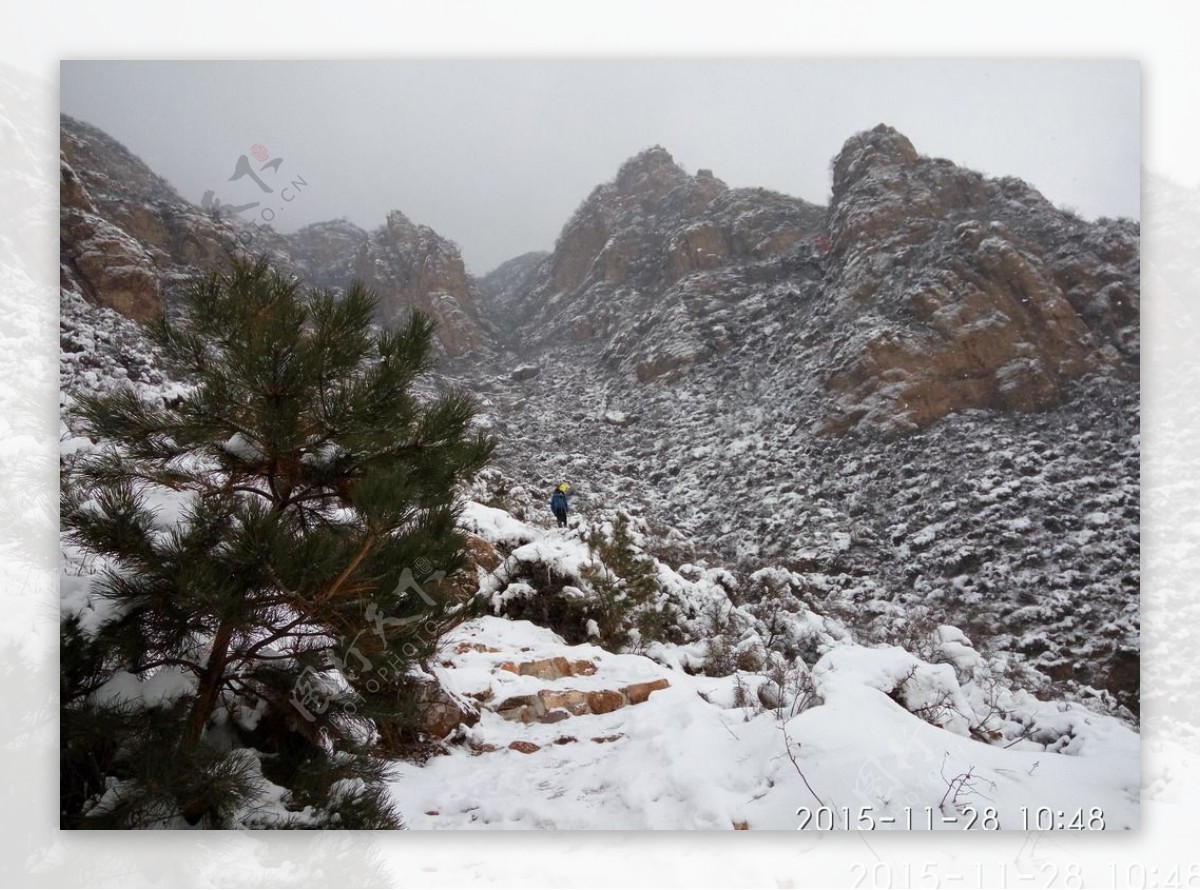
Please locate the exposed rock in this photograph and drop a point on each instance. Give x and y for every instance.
(161, 236)
(571, 701)
(523, 708)
(441, 711)
(481, 553)
(633, 239)
(125, 235)
(943, 306)
(524, 747)
(177, 235)
(71, 193)
(863, 152)
(618, 418)
(114, 270)
(327, 254)
(510, 281)
(552, 705)
(463, 648)
(604, 701)
(549, 668)
(411, 266)
(525, 372)
(546, 668)
(640, 692)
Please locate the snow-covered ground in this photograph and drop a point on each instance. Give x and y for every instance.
(719, 752)
(689, 757)
(782, 705)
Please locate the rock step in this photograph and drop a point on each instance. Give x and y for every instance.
(551, 668)
(553, 705)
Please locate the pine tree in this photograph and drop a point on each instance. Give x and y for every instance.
(625, 584)
(277, 547)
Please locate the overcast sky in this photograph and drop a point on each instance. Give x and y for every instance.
(497, 154)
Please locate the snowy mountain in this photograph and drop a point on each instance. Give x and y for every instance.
(940, 411)
(128, 237)
(871, 465)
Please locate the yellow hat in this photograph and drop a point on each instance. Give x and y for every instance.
(564, 487)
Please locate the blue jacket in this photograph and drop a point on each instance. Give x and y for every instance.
(558, 502)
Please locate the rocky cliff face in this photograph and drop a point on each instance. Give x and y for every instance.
(127, 239)
(326, 254)
(412, 267)
(509, 283)
(643, 270)
(941, 290)
(125, 235)
(952, 291)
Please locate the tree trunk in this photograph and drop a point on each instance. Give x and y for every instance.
(210, 684)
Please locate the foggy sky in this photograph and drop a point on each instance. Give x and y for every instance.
(496, 155)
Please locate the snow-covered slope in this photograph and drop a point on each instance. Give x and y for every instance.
(938, 406)
(575, 736)
(904, 601)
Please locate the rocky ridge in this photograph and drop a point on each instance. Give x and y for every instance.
(925, 395)
(953, 291)
(128, 239)
(126, 236)
(940, 410)
(637, 255)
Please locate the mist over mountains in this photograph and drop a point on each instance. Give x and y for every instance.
(927, 390)
(908, 419)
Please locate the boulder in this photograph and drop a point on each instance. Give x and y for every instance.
(570, 700)
(618, 418)
(546, 668)
(441, 711)
(605, 700)
(639, 692)
(525, 708)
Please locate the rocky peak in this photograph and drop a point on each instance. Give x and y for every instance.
(649, 174)
(952, 291)
(639, 234)
(411, 266)
(400, 226)
(127, 238)
(326, 253)
(107, 168)
(882, 146)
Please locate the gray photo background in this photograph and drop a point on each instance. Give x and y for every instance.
(38, 855)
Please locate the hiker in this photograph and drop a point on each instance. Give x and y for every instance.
(559, 505)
